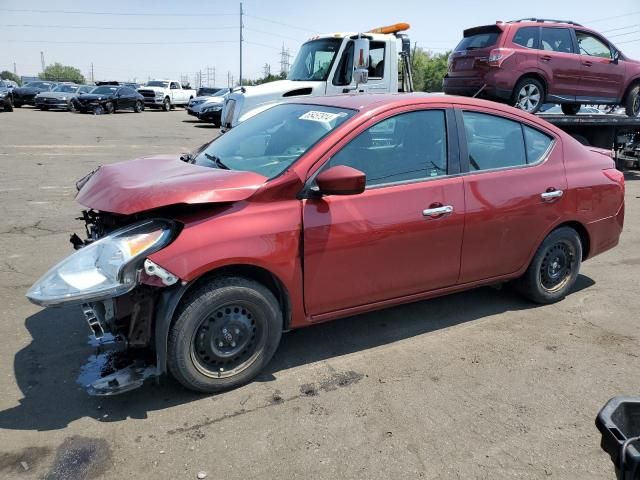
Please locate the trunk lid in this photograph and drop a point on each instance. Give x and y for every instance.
(151, 182)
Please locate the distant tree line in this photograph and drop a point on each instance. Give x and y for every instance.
(7, 75)
(62, 73)
(428, 69)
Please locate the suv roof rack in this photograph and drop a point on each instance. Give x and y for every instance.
(542, 20)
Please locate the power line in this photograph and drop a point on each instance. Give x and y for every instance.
(115, 28)
(281, 23)
(625, 33)
(121, 43)
(611, 18)
(629, 41)
(119, 14)
(619, 28)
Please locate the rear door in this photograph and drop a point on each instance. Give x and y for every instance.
(561, 64)
(388, 241)
(470, 57)
(514, 191)
(602, 80)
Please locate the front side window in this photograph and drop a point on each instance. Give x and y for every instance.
(314, 59)
(376, 60)
(174, 85)
(495, 142)
(527, 37)
(271, 141)
(406, 147)
(592, 46)
(556, 40)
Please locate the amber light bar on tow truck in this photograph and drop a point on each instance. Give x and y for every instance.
(395, 28)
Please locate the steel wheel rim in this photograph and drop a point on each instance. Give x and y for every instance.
(227, 341)
(556, 267)
(528, 97)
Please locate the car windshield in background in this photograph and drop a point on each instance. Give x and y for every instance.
(221, 93)
(314, 59)
(479, 40)
(271, 141)
(38, 85)
(104, 90)
(206, 91)
(158, 84)
(66, 88)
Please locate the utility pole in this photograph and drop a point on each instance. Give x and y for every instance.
(42, 60)
(93, 79)
(229, 79)
(241, 26)
(266, 70)
(211, 76)
(284, 61)
(15, 70)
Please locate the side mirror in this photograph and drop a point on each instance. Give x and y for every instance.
(361, 60)
(341, 180)
(616, 57)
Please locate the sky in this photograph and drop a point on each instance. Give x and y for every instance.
(142, 39)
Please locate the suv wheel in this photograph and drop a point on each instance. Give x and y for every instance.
(570, 108)
(632, 104)
(528, 95)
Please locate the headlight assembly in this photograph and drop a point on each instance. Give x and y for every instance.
(103, 269)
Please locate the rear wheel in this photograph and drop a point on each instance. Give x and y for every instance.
(225, 333)
(554, 268)
(528, 95)
(570, 108)
(632, 103)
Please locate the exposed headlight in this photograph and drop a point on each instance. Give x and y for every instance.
(63, 98)
(103, 269)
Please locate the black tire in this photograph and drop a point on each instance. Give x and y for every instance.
(109, 108)
(206, 317)
(138, 107)
(560, 252)
(570, 108)
(44, 107)
(536, 95)
(8, 106)
(17, 104)
(166, 104)
(632, 102)
(72, 107)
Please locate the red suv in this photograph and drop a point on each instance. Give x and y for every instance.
(532, 61)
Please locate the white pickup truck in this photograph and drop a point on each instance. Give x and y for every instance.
(165, 94)
(376, 61)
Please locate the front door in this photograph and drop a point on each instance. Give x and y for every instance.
(514, 192)
(602, 81)
(379, 71)
(403, 234)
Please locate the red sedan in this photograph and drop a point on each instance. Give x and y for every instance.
(322, 208)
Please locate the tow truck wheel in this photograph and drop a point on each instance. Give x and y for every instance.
(166, 105)
(225, 332)
(632, 104)
(570, 108)
(554, 268)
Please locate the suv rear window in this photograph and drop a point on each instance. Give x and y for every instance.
(479, 40)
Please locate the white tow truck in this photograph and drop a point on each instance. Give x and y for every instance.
(376, 61)
(165, 94)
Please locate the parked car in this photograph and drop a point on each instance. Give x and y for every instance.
(211, 113)
(195, 104)
(532, 61)
(8, 84)
(6, 98)
(61, 96)
(166, 94)
(308, 212)
(108, 99)
(26, 94)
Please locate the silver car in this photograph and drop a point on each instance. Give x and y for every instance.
(60, 97)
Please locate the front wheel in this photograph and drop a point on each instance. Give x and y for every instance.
(166, 105)
(138, 107)
(72, 107)
(109, 108)
(570, 108)
(225, 332)
(8, 107)
(528, 95)
(632, 104)
(554, 268)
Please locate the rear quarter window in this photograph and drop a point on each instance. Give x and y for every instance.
(527, 37)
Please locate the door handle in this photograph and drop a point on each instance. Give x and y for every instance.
(545, 58)
(587, 63)
(551, 195)
(438, 211)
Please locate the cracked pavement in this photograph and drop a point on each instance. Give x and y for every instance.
(476, 385)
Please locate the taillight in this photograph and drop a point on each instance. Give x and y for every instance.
(499, 55)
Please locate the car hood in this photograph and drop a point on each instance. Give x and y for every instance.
(151, 182)
(56, 94)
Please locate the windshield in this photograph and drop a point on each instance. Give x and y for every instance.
(479, 40)
(104, 90)
(66, 88)
(204, 91)
(157, 83)
(271, 141)
(314, 59)
(38, 85)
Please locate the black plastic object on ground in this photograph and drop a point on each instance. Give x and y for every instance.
(619, 424)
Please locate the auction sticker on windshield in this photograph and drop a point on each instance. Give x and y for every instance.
(316, 116)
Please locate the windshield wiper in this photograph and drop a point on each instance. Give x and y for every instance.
(217, 161)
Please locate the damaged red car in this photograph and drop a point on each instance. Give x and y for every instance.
(323, 208)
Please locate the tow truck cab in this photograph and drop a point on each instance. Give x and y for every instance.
(377, 61)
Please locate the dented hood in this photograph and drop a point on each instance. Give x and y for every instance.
(159, 181)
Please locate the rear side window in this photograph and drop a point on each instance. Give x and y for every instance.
(527, 37)
(537, 144)
(479, 40)
(556, 40)
(376, 60)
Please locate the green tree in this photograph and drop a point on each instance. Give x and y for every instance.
(7, 75)
(267, 79)
(62, 73)
(428, 70)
